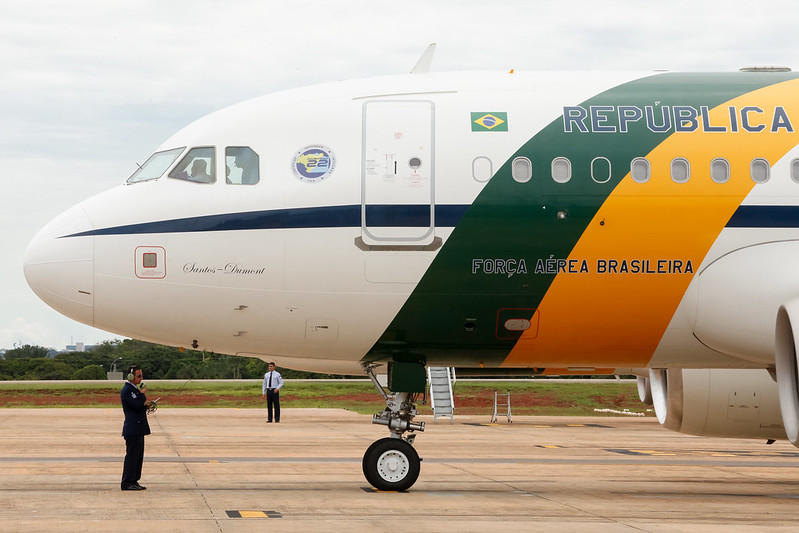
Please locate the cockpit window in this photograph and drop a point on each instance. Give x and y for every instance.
(241, 165)
(155, 166)
(198, 165)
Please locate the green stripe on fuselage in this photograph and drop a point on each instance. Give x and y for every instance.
(452, 314)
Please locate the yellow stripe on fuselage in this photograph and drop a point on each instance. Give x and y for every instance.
(618, 319)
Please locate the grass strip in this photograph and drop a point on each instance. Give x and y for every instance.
(533, 397)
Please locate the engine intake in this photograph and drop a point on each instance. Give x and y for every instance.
(787, 368)
(718, 402)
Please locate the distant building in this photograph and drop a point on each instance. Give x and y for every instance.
(79, 347)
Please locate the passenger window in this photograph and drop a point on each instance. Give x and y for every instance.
(561, 170)
(760, 170)
(795, 170)
(522, 169)
(680, 170)
(241, 165)
(482, 169)
(720, 170)
(600, 169)
(640, 170)
(197, 165)
(155, 166)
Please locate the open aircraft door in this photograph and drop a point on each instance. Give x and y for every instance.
(397, 173)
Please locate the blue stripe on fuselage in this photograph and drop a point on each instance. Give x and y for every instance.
(343, 216)
(765, 216)
(349, 216)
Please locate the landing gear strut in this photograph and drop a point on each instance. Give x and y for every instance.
(392, 463)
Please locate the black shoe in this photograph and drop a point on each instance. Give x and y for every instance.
(140, 487)
(268, 421)
(133, 487)
(278, 421)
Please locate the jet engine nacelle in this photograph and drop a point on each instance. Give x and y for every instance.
(718, 402)
(736, 317)
(786, 364)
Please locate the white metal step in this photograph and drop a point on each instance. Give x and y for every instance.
(441, 400)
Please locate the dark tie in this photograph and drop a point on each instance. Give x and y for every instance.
(270, 381)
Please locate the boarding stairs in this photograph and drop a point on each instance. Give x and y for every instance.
(441, 379)
(501, 402)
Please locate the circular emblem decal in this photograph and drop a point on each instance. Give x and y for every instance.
(313, 163)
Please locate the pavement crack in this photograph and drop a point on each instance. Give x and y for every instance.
(505, 483)
(175, 450)
(550, 500)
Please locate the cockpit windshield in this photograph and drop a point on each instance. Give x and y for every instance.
(155, 166)
(198, 165)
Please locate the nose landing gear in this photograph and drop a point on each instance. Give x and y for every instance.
(392, 463)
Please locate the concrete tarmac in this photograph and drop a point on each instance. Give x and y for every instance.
(226, 470)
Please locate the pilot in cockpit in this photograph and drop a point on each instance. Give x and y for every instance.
(247, 161)
(199, 172)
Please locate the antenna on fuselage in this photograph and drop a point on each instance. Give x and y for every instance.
(426, 61)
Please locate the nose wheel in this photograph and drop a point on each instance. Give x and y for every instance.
(391, 464)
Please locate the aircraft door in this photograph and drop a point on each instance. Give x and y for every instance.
(397, 173)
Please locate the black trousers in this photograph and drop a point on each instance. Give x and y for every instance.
(272, 400)
(134, 457)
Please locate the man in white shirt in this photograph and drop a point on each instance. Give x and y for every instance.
(271, 391)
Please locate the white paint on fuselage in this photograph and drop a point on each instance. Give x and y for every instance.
(304, 281)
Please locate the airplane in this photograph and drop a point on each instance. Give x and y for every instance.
(520, 223)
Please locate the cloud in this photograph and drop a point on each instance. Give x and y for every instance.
(21, 331)
(91, 88)
(56, 334)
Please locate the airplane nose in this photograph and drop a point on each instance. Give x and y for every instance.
(60, 268)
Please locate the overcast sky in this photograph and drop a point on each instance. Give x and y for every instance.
(89, 88)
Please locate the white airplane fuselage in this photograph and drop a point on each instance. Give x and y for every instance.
(571, 221)
(307, 297)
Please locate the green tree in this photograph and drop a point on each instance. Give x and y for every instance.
(255, 369)
(90, 372)
(46, 369)
(157, 361)
(27, 352)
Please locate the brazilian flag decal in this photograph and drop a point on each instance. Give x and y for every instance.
(489, 121)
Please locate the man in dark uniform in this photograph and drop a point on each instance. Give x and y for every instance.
(134, 405)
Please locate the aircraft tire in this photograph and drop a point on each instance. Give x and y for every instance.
(391, 464)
